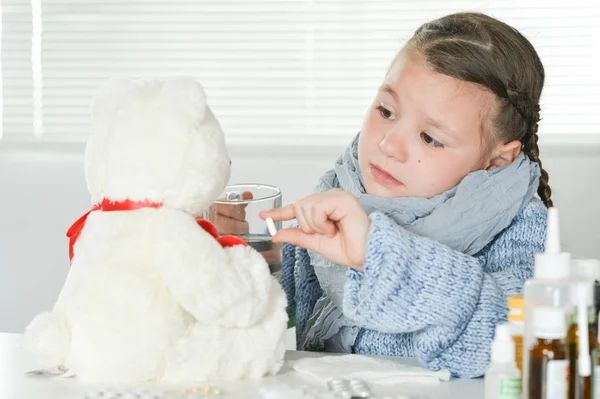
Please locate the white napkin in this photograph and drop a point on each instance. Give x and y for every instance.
(369, 369)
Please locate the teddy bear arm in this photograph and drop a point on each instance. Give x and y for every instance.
(196, 269)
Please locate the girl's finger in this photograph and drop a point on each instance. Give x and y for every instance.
(297, 237)
(337, 204)
(303, 221)
(307, 211)
(321, 222)
(284, 213)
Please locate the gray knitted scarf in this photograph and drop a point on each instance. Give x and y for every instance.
(465, 218)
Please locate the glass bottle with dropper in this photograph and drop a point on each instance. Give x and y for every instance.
(550, 285)
(548, 357)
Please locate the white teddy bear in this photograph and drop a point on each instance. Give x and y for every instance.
(150, 294)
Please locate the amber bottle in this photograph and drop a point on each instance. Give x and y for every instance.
(548, 358)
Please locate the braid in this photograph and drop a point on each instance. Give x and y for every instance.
(530, 113)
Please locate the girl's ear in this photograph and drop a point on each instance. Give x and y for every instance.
(504, 155)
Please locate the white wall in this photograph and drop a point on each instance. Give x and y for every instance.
(43, 191)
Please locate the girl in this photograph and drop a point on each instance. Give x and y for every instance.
(428, 221)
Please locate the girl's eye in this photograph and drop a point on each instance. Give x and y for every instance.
(430, 140)
(386, 113)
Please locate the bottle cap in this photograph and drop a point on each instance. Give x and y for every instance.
(516, 306)
(503, 346)
(549, 323)
(586, 269)
(551, 266)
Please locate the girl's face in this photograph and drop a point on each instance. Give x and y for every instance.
(424, 132)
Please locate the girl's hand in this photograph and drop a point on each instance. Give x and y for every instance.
(333, 224)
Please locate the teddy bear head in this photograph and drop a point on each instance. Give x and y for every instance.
(155, 140)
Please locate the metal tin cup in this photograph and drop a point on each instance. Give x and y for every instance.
(236, 212)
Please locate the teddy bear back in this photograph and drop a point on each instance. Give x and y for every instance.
(155, 140)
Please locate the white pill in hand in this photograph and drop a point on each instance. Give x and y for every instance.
(271, 226)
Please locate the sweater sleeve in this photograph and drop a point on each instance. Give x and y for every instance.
(287, 278)
(449, 301)
(300, 284)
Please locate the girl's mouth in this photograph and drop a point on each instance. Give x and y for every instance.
(383, 177)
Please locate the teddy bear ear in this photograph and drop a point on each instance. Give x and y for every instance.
(108, 96)
(185, 98)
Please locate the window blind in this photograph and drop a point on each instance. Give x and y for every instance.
(272, 69)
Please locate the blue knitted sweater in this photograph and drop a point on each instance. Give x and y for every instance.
(419, 298)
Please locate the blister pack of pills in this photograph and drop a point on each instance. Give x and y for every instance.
(349, 389)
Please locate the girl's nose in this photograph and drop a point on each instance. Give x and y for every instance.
(394, 145)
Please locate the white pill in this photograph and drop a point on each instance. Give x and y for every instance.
(271, 226)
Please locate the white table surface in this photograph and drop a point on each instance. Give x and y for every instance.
(14, 362)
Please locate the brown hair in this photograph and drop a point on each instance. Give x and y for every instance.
(477, 48)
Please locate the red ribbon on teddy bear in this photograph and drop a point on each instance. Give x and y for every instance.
(107, 206)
